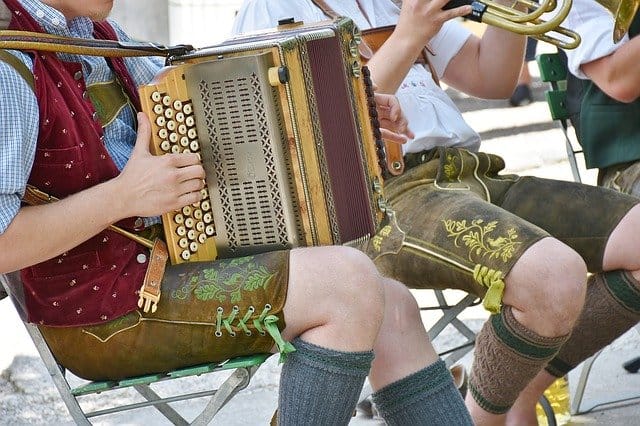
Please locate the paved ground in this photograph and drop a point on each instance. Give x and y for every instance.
(530, 144)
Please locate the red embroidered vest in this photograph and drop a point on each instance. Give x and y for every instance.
(98, 280)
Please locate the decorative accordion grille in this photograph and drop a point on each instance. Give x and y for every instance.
(235, 116)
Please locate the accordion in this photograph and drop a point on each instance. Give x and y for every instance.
(285, 124)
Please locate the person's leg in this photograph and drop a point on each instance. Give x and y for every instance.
(333, 354)
(457, 234)
(612, 305)
(516, 344)
(456, 238)
(613, 299)
(411, 383)
(334, 310)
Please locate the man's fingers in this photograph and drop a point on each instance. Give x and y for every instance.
(388, 135)
(144, 135)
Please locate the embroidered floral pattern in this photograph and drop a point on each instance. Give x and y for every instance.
(226, 281)
(476, 236)
(451, 169)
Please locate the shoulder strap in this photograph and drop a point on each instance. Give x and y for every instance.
(325, 8)
(26, 40)
(20, 67)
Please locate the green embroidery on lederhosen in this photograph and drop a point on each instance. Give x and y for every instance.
(226, 281)
(476, 237)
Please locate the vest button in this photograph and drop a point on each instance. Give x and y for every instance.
(77, 75)
(141, 258)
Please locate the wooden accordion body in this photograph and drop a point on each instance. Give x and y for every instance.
(284, 121)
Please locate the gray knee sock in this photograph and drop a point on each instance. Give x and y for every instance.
(320, 386)
(426, 397)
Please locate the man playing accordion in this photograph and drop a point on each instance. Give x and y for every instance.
(69, 128)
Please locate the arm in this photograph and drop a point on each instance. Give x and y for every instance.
(147, 186)
(618, 74)
(487, 67)
(419, 21)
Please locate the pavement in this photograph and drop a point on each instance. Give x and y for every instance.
(530, 143)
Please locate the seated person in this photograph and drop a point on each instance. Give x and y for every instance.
(327, 308)
(605, 77)
(608, 129)
(523, 243)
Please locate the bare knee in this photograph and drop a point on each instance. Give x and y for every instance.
(547, 287)
(401, 308)
(338, 285)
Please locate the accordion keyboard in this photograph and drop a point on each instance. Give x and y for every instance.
(188, 231)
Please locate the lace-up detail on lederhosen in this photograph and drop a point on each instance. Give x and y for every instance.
(263, 324)
(493, 281)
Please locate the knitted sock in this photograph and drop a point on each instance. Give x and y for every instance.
(507, 356)
(612, 307)
(320, 386)
(425, 397)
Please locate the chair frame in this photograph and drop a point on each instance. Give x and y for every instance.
(554, 71)
(243, 370)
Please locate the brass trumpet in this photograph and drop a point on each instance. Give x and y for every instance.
(623, 12)
(526, 21)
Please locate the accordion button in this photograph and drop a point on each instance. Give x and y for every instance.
(77, 75)
(141, 258)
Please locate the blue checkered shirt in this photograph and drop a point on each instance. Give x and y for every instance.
(19, 121)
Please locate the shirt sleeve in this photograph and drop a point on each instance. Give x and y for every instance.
(447, 43)
(255, 15)
(595, 24)
(18, 136)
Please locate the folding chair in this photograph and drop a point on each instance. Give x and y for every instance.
(553, 70)
(243, 370)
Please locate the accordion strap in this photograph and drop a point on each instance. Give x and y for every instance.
(27, 40)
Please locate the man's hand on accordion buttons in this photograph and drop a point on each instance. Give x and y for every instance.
(393, 124)
(152, 185)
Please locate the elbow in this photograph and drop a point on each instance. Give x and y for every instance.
(622, 92)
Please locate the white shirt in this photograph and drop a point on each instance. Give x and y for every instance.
(432, 115)
(595, 24)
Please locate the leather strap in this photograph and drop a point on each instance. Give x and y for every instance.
(27, 40)
(150, 290)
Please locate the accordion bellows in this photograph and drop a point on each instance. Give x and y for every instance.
(285, 124)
